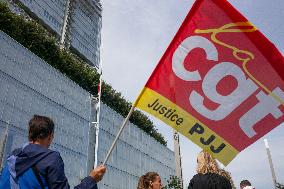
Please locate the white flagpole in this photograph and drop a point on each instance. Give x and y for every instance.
(98, 123)
(270, 163)
(98, 108)
(177, 156)
(119, 132)
(122, 126)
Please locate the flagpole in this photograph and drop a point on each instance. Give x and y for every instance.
(119, 132)
(98, 122)
(270, 163)
(123, 125)
(177, 157)
(99, 107)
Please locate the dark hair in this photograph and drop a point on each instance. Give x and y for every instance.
(245, 183)
(40, 127)
(144, 181)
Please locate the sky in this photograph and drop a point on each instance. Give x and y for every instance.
(136, 33)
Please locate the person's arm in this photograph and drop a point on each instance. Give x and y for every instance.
(87, 182)
(91, 181)
(55, 174)
(56, 178)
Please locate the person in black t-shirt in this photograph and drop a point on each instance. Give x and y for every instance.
(209, 175)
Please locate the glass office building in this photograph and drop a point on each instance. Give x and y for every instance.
(84, 23)
(30, 86)
(85, 26)
(51, 13)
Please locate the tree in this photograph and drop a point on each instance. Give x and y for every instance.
(173, 183)
(279, 186)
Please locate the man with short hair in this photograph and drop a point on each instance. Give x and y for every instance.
(245, 184)
(47, 165)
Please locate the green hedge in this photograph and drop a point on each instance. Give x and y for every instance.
(38, 40)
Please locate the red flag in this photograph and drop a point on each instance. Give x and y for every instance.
(219, 83)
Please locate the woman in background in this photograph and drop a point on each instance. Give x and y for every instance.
(209, 176)
(150, 180)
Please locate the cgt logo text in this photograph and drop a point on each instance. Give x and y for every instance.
(267, 103)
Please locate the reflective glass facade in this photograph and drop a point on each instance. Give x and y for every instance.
(83, 25)
(30, 86)
(51, 12)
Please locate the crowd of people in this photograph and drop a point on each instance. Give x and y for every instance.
(35, 166)
(209, 176)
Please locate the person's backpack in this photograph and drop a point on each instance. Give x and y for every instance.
(30, 179)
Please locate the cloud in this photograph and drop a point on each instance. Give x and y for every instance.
(134, 37)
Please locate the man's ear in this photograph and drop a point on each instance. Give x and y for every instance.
(50, 137)
(151, 183)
